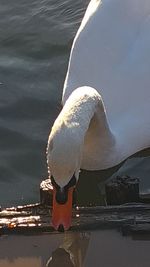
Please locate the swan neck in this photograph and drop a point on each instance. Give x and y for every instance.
(88, 119)
(83, 105)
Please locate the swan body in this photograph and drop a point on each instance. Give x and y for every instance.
(106, 95)
(109, 53)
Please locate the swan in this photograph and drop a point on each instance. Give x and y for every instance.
(106, 112)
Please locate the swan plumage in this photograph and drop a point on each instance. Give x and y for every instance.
(106, 95)
(110, 54)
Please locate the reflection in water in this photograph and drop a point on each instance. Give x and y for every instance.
(27, 251)
(21, 262)
(98, 248)
(72, 252)
(60, 255)
(65, 250)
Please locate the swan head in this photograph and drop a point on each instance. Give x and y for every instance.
(63, 158)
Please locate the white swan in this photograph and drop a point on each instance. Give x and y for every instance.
(106, 97)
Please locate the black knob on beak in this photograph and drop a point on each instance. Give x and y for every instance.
(61, 196)
(62, 193)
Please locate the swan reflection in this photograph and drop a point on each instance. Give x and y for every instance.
(72, 251)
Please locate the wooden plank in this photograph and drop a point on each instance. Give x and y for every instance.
(36, 218)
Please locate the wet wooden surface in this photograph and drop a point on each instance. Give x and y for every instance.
(36, 219)
(132, 218)
(122, 189)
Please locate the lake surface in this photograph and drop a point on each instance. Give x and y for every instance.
(35, 41)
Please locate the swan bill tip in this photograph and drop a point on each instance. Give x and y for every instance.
(61, 228)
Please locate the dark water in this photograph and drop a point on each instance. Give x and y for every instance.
(35, 41)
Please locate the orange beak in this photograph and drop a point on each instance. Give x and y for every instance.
(62, 213)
